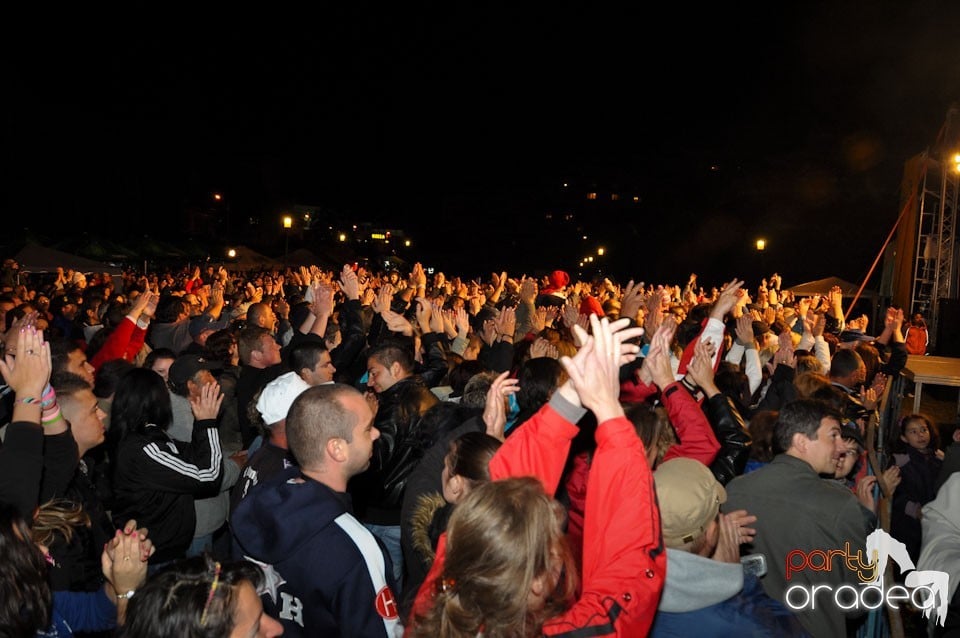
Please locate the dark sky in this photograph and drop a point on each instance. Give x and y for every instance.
(462, 125)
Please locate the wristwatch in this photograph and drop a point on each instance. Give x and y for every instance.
(127, 595)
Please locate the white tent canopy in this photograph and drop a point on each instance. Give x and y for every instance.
(35, 258)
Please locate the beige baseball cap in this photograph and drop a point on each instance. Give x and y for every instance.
(689, 498)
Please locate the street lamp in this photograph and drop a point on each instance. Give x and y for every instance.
(761, 248)
(287, 225)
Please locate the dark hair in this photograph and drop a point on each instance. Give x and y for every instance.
(899, 445)
(470, 456)
(158, 353)
(172, 602)
(218, 345)
(650, 423)
(871, 359)
(169, 308)
(60, 350)
(250, 340)
(761, 429)
(732, 381)
(844, 363)
(108, 376)
(67, 384)
(390, 352)
(538, 379)
(141, 398)
(305, 354)
(476, 389)
(802, 416)
(461, 374)
(25, 596)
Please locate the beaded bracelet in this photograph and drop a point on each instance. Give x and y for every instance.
(49, 397)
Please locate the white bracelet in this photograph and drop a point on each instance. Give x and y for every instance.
(127, 595)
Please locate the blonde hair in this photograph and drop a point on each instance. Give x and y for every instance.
(57, 517)
(807, 383)
(501, 537)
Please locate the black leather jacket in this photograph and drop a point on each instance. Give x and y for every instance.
(727, 424)
(378, 492)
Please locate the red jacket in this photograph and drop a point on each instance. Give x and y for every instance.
(124, 342)
(697, 441)
(624, 563)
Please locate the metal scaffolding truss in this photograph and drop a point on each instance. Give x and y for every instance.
(935, 274)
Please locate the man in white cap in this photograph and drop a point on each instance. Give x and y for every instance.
(274, 455)
(707, 591)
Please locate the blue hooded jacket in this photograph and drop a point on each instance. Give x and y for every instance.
(327, 575)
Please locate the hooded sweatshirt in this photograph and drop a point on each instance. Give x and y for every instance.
(704, 597)
(327, 574)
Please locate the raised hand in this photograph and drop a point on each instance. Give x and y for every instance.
(445, 317)
(879, 384)
(418, 278)
(139, 306)
(462, 321)
(528, 290)
(322, 299)
(727, 300)
(835, 301)
(583, 321)
(631, 300)
(349, 283)
(657, 362)
(865, 492)
(571, 316)
(424, 312)
(207, 405)
(397, 322)
(595, 374)
(27, 365)
(891, 478)
(543, 348)
(539, 319)
(745, 330)
(700, 368)
(769, 315)
(785, 352)
(654, 315)
(384, 300)
(495, 409)
(506, 322)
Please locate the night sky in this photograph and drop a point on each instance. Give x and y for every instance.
(791, 123)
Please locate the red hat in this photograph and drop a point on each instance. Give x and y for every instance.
(590, 306)
(558, 279)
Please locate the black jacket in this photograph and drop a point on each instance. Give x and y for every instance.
(728, 426)
(378, 492)
(156, 479)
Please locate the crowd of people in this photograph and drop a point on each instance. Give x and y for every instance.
(306, 452)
